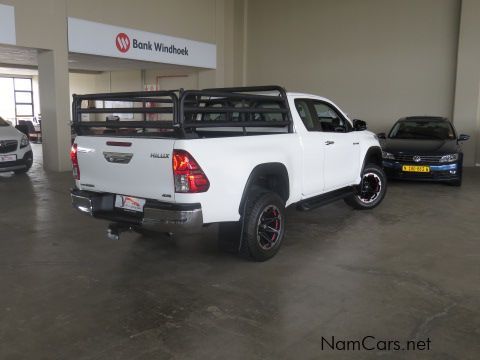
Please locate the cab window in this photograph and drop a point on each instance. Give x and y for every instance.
(320, 116)
(328, 119)
(303, 110)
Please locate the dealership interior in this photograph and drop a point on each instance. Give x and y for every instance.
(345, 284)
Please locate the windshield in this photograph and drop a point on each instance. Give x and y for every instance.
(423, 129)
(3, 122)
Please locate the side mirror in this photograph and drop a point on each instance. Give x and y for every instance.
(463, 137)
(382, 136)
(359, 125)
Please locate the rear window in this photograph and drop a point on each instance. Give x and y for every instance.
(263, 116)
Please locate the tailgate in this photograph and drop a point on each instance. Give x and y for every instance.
(139, 167)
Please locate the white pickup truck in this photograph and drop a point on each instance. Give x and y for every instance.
(175, 161)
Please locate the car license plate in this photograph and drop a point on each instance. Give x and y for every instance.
(416, 168)
(129, 203)
(5, 158)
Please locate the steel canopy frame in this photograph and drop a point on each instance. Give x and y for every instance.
(188, 102)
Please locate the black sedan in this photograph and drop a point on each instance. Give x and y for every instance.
(423, 148)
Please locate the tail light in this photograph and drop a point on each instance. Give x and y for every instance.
(74, 158)
(188, 175)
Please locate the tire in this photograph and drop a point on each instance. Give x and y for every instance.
(263, 226)
(372, 189)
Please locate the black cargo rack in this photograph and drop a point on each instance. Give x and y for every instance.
(244, 107)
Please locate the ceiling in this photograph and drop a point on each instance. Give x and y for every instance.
(23, 61)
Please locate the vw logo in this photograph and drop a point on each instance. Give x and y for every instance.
(123, 42)
(417, 158)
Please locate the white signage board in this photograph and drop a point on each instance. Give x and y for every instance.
(88, 37)
(7, 25)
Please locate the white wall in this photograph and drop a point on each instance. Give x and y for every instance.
(171, 80)
(191, 19)
(7, 99)
(378, 59)
(467, 94)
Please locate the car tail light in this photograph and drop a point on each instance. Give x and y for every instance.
(188, 175)
(74, 158)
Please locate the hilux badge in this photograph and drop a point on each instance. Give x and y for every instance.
(159, 156)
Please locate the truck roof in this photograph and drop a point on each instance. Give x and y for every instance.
(308, 96)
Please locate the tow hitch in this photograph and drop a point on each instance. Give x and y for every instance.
(114, 230)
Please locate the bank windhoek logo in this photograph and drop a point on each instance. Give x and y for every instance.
(123, 42)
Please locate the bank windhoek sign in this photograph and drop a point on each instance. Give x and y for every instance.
(88, 37)
(7, 25)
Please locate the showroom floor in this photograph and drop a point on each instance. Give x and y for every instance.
(402, 271)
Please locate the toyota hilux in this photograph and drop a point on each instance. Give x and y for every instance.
(174, 161)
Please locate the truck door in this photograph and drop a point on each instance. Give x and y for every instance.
(313, 144)
(342, 149)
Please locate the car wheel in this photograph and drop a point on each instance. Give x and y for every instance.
(263, 226)
(371, 190)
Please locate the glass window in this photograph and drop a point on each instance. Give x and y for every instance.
(267, 116)
(319, 116)
(220, 116)
(237, 116)
(23, 97)
(327, 119)
(304, 113)
(23, 84)
(24, 110)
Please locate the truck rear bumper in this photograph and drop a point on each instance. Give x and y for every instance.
(157, 216)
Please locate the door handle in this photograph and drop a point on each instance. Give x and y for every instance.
(356, 143)
(329, 142)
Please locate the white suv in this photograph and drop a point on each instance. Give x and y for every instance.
(15, 151)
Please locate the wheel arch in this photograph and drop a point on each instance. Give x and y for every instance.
(270, 176)
(372, 156)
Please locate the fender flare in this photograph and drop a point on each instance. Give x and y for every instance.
(273, 168)
(373, 153)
